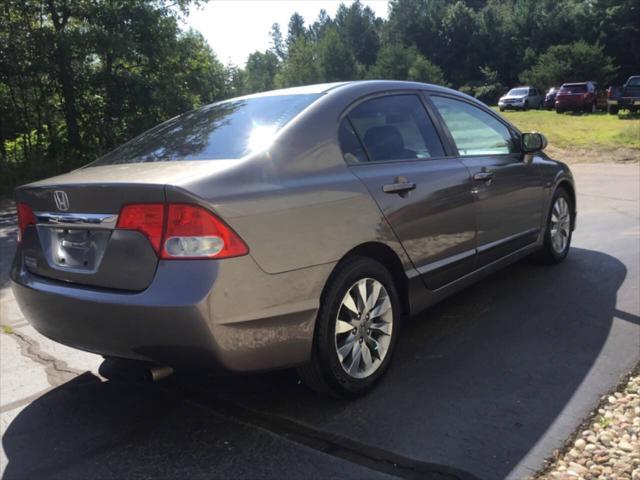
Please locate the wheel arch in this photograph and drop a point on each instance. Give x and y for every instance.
(385, 255)
(572, 195)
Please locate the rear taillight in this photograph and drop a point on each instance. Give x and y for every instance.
(25, 218)
(146, 218)
(193, 232)
(182, 231)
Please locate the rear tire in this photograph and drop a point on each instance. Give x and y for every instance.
(350, 325)
(612, 109)
(559, 229)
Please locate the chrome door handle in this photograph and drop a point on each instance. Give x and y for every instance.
(484, 177)
(402, 187)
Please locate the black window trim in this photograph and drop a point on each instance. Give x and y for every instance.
(389, 93)
(515, 133)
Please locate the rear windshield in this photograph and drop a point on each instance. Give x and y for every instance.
(574, 88)
(518, 91)
(225, 130)
(634, 82)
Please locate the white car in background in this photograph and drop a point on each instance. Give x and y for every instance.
(521, 98)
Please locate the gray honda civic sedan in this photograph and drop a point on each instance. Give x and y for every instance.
(292, 228)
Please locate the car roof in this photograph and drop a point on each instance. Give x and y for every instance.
(354, 84)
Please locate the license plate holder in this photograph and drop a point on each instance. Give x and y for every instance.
(74, 249)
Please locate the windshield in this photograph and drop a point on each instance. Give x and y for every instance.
(518, 92)
(230, 129)
(634, 82)
(574, 88)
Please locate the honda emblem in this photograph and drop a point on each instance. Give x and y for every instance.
(62, 201)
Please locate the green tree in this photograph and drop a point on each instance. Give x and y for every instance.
(260, 70)
(277, 44)
(78, 78)
(296, 30)
(405, 63)
(571, 62)
(459, 35)
(335, 60)
(359, 29)
(301, 66)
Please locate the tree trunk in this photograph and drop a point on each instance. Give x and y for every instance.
(65, 75)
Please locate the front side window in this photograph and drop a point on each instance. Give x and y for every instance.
(634, 82)
(474, 131)
(395, 127)
(225, 130)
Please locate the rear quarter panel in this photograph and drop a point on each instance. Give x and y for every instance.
(297, 204)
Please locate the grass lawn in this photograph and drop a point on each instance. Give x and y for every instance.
(598, 131)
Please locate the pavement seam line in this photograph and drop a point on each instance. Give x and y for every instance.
(57, 371)
(374, 458)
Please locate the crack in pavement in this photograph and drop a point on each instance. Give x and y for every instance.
(57, 371)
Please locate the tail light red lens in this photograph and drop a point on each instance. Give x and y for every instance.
(25, 218)
(182, 231)
(147, 218)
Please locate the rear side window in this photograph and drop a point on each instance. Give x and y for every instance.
(576, 88)
(395, 127)
(225, 130)
(474, 131)
(350, 144)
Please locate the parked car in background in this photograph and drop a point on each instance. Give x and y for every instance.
(521, 98)
(292, 228)
(627, 97)
(580, 96)
(550, 98)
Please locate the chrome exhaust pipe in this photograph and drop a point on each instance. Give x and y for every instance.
(158, 373)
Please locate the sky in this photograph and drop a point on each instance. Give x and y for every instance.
(236, 28)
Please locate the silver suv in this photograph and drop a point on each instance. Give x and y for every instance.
(521, 98)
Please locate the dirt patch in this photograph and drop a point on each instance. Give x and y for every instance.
(594, 155)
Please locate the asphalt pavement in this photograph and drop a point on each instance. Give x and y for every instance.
(484, 385)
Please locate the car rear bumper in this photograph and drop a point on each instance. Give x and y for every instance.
(568, 104)
(624, 102)
(217, 315)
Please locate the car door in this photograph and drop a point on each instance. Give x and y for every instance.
(391, 144)
(537, 98)
(507, 186)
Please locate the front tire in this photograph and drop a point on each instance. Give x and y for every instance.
(557, 237)
(356, 330)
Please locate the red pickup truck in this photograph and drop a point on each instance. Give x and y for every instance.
(626, 97)
(583, 96)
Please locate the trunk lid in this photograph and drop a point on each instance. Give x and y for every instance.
(75, 240)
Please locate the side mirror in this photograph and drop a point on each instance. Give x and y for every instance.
(533, 142)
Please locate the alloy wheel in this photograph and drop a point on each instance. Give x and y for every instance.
(363, 328)
(560, 225)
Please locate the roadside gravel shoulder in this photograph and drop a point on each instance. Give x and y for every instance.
(607, 444)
